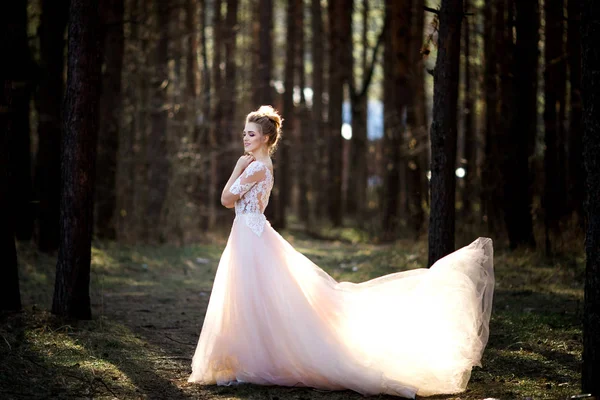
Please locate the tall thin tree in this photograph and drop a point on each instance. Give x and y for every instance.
(10, 295)
(71, 290)
(398, 15)
(317, 54)
(340, 20)
(444, 132)
(156, 150)
(523, 127)
(53, 22)
(554, 199)
(112, 13)
(575, 136)
(10, 77)
(590, 37)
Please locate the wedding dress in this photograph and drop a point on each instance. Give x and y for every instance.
(276, 318)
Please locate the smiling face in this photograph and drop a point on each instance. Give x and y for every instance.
(253, 138)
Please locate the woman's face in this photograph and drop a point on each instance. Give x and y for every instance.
(253, 139)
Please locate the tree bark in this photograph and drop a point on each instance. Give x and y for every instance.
(318, 136)
(282, 164)
(215, 137)
(71, 290)
(575, 135)
(109, 125)
(263, 26)
(399, 20)
(22, 73)
(340, 16)
(10, 296)
(554, 110)
(416, 118)
(51, 88)
(156, 150)
(443, 132)
(523, 126)
(491, 182)
(590, 37)
(470, 140)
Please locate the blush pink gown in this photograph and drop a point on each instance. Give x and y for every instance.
(276, 318)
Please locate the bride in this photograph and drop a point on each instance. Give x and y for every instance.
(276, 318)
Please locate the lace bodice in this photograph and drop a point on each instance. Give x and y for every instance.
(254, 186)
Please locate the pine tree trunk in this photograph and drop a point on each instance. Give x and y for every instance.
(10, 296)
(390, 143)
(399, 19)
(71, 290)
(507, 172)
(554, 95)
(443, 132)
(51, 87)
(575, 135)
(216, 137)
(230, 144)
(318, 134)
(282, 159)
(491, 184)
(340, 15)
(110, 110)
(359, 145)
(523, 126)
(590, 37)
(470, 181)
(263, 93)
(304, 146)
(22, 71)
(417, 121)
(156, 147)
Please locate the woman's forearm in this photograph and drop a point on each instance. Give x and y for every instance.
(228, 199)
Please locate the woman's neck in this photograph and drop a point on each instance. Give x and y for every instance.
(261, 155)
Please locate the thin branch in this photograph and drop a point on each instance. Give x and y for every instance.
(431, 10)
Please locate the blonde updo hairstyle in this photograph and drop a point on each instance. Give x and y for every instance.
(269, 122)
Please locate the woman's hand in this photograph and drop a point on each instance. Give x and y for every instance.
(244, 161)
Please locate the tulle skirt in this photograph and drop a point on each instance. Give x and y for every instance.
(276, 318)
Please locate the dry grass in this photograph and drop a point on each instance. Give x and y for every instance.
(148, 305)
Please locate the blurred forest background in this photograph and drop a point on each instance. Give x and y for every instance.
(354, 83)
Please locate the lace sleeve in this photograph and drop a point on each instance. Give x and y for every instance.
(255, 172)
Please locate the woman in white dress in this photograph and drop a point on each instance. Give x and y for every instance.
(276, 318)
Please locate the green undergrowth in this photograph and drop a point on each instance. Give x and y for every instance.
(148, 303)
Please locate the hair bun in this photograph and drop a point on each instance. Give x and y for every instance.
(269, 112)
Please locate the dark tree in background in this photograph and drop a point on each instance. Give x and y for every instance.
(71, 290)
(112, 13)
(470, 140)
(575, 136)
(263, 58)
(318, 54)
(281, 159)
(555, 190)
(491, 177)
(11, 17)
(340, 17)
(156, 150)
(53, 23)
(523, 126)
(590, 37)
(443, 132)
(22, 74)
(10, 296)
(398, 15)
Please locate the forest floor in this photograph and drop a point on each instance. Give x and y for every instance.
(148, 305)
